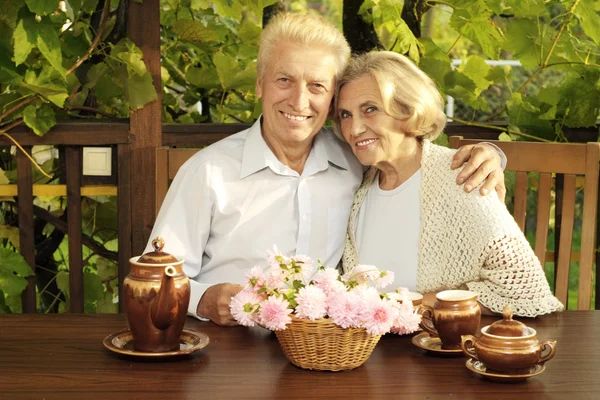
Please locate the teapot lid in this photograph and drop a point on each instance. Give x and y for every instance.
(508, 326)
(158, 256)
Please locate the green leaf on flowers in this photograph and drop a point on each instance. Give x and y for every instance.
(39, 117)
(471, 19)
(13, 271)
(589, 19)
(194, 31)
(49, 45)
(42, 7)
(49, 83)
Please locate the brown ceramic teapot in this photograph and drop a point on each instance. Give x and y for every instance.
(157, 294)
(508, 346)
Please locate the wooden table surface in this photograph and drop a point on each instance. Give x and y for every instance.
(62, 357)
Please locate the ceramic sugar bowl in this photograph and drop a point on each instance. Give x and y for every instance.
(508, 346)
(156, 294)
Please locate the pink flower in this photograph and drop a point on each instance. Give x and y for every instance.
(311, 303)
(327, 280)
(275, 279)
(275, 313)
(361, 274)
(380, 317)
(243, 307)
(385, 279)
(346, 309)
(274, 258)
(406, 322)
(255, 277)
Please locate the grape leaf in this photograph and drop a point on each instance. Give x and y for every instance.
(194, 31)
(589, 20)
(521, 36)
(49, 45)
(49, 83)
(471, 19)
(39, 117)
(13, 271)
(6, 231)
(42, 7)
(25, 37)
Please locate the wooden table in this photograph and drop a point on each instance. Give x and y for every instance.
(61, 357)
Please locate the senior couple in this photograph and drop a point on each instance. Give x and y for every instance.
(287, 182)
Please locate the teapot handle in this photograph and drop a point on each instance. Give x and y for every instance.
(467, 343)
(427, 320)
(551, 344)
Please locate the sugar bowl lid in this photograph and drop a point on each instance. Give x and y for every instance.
(158, 256)
(508, 326)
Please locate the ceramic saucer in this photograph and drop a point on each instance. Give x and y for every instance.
(122, 342)
(433, 345)
(479, 368)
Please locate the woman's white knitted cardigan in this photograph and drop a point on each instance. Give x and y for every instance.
(466, 241)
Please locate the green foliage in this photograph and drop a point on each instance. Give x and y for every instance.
(13, 272)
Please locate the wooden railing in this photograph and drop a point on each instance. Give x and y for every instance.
(70, 137)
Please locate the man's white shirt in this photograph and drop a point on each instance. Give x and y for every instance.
(234, 200)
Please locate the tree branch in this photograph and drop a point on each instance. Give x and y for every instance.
(86, 240)
(105, 15)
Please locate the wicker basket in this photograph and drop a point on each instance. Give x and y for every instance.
(323, 346)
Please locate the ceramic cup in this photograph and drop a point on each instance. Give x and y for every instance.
(455, 313)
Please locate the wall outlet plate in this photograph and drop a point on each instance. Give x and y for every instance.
(97, 161)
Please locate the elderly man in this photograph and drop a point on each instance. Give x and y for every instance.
(285, 181)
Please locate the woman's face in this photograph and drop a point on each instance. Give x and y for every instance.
(375, 136)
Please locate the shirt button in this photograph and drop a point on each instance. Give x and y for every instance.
(304, 217)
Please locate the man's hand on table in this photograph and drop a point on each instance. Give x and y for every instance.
(483, 163)
(214, 304)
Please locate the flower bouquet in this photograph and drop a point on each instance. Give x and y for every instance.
(323, 321)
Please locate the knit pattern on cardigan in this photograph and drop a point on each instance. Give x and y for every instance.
(466, 242)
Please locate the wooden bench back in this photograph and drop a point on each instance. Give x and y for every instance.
(168, 162)
(577, 163)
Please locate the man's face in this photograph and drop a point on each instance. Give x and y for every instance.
(296, 91)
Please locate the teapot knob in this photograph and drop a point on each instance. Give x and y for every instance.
(507, 312)
(158, 243)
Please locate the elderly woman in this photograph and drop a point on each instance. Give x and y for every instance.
(408, 216)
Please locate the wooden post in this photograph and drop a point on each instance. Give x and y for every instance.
(74, 226)
(145, 124)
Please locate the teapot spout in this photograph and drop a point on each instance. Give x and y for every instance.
(164, 306)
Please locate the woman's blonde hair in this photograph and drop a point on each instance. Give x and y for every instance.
(303, 29)
(408, 93)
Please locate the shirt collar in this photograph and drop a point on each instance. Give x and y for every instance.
(257, 155)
